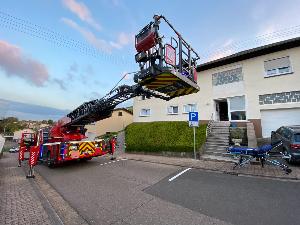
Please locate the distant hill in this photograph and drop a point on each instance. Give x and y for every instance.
(25, 111)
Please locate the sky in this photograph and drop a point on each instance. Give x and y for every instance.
(61, 53)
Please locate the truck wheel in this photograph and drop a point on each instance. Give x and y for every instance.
(50, 163)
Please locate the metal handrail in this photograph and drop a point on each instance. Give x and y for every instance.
(209, 125)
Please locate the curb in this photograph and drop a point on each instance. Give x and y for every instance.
(58, 209)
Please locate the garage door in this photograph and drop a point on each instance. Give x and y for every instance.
(273, 119)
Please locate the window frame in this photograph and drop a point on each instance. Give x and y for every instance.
(230, 111)
(172, 113)
(145, 115)
(277, 73)
(189, 104)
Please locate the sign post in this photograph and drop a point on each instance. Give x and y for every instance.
(194, 122)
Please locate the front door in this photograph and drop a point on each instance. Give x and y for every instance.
(222, 110)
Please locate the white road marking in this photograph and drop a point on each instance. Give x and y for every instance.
(182, 172)
(102, 164)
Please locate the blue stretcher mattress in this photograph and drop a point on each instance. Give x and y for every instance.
(250, 151)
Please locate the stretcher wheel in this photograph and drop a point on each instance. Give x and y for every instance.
(287, 171)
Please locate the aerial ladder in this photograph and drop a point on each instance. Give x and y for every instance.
(166, 71)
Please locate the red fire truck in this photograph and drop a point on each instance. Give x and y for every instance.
(54, 150)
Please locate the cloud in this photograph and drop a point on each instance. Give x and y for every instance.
(284, 15)
(89, 70)
(82, 11)
(14, 63)
(89, 36)
(101, 44)
(74, 67)
(93, 95)
(123, 40)
(227, 48)
(61, 83)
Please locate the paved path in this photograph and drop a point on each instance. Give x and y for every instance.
(224, 167)
(19, 202)
(30, 201)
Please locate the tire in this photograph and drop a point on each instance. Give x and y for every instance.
(85, 159)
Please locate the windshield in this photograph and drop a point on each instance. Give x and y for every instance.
(297, 137)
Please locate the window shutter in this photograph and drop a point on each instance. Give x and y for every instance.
(277, 63)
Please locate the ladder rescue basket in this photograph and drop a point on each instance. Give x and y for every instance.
(160, 68)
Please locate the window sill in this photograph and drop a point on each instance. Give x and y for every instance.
(144, 115)
(279, 74)
(172, 114)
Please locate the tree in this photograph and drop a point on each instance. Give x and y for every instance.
(50, 122)
(10, 124)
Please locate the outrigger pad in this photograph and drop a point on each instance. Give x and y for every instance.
(170, 83)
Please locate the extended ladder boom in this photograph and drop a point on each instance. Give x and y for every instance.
(100, 109)
(161, 75)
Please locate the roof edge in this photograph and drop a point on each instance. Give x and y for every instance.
(251, 53)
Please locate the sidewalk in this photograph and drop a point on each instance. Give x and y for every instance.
(30, 201)
(19, 203)
(224, 167)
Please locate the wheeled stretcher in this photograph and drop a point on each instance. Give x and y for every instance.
(263, 154)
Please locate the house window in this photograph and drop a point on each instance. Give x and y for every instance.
(173, 110)
(145, 112)
(189, 108)
(120, 114)
(278, 66)
(237, 109)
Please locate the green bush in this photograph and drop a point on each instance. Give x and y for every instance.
(163, 136)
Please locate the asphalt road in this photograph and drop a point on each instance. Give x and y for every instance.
(132, 192)
(235, 199)
(113, 193)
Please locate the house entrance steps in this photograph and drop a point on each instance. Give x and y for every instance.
(217, 141)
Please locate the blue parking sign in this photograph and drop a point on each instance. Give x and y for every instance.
(193, 116)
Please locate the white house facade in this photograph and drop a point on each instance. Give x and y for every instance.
(260, 85)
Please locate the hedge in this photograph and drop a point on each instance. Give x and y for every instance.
(163, 136)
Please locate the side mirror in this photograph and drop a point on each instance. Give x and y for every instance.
(272, 133)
